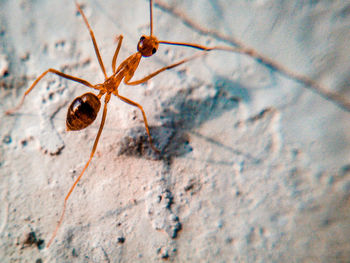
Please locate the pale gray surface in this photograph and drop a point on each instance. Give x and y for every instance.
(265, 179)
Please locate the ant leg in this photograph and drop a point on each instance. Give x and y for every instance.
(137, 82)
(61, 74)
(114, 60)
(93, 40)
(108, 96)
(128, 101)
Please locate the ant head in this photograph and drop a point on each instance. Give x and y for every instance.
(147, 45)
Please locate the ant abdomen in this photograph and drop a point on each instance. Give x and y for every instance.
(82, 112)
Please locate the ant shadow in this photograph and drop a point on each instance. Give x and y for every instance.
(180, 115)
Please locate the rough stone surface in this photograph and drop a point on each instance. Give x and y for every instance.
(255, 166)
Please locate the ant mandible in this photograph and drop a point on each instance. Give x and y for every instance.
(84, 109)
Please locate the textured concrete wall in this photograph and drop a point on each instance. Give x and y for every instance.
(255, 165)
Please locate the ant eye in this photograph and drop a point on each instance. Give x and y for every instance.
(142, 38)
(154, 50)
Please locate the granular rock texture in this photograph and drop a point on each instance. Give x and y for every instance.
(255, 166)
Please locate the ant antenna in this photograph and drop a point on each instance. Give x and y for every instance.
(201, 47)
(187, 45)
(151, 16)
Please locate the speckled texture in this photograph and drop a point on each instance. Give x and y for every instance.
(255, 166)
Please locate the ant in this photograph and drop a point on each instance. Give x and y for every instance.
(84, 109)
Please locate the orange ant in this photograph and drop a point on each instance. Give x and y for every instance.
(84, 109)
